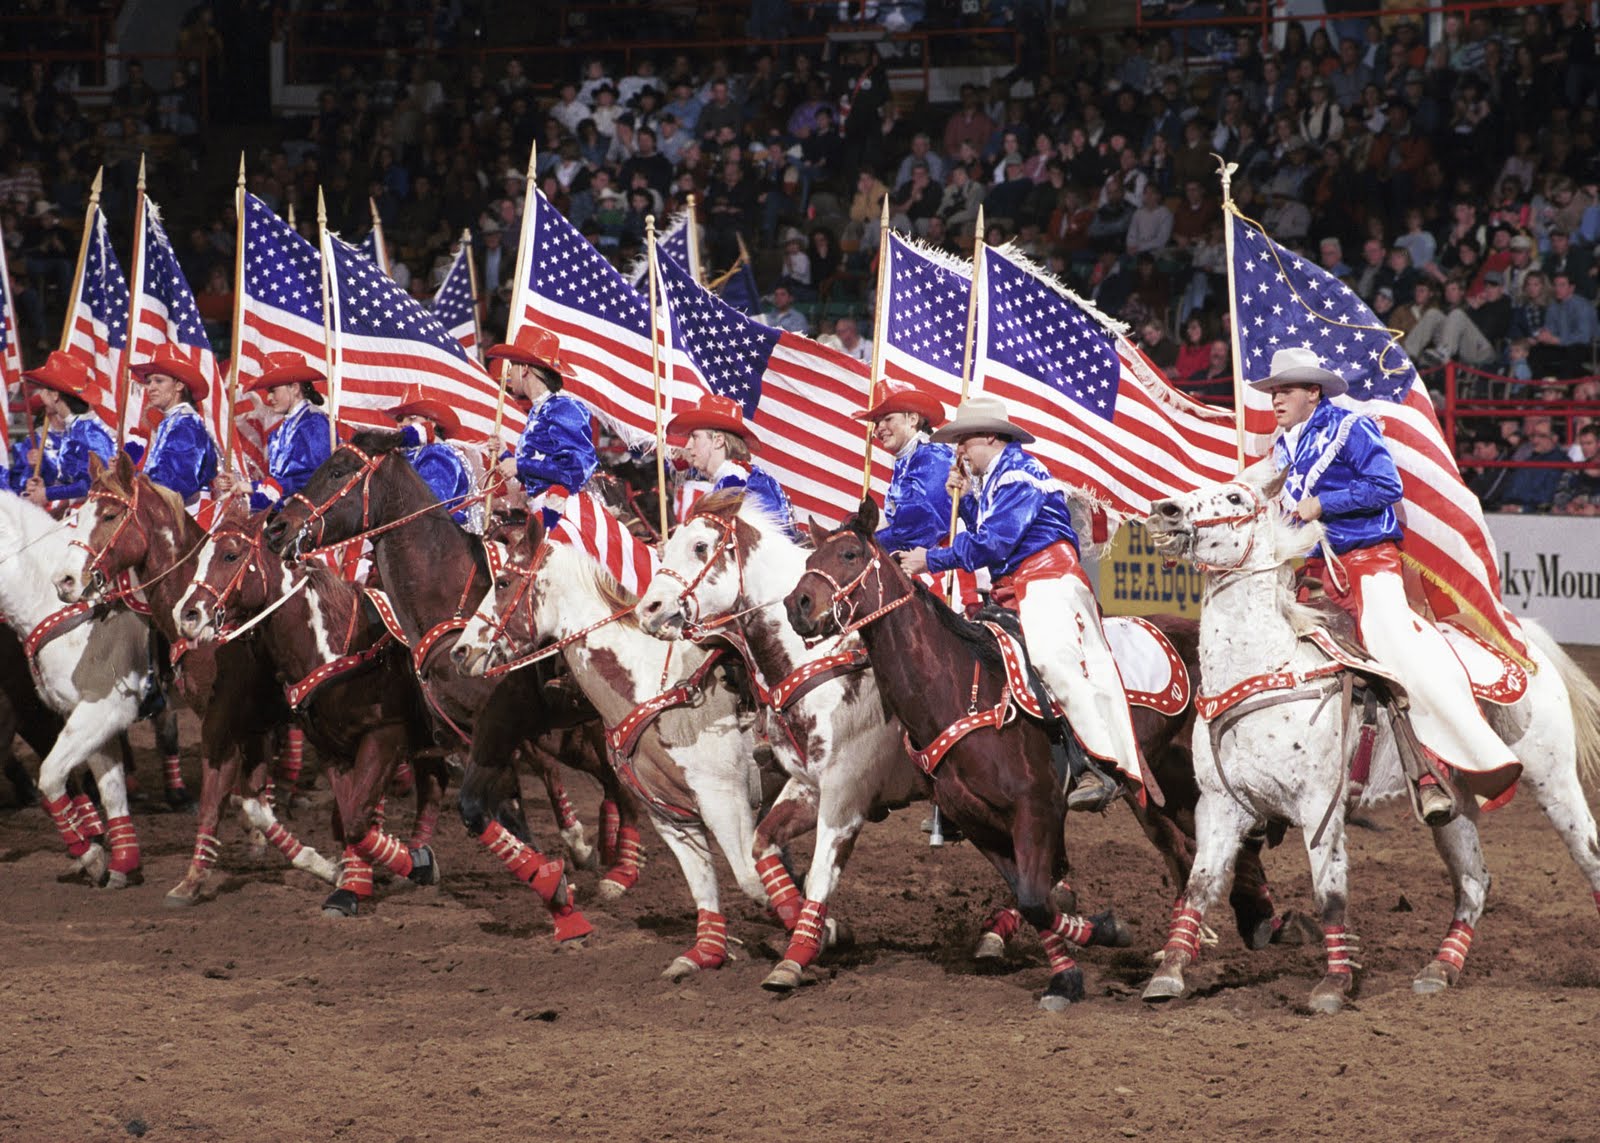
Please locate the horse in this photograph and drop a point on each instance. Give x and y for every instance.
(435, 573)
(680, 746)
(133, 525)
(1271, 760)
(93, 673)
(350, 684)
(23, 712)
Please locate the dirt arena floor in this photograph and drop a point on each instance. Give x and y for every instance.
(447, 1013)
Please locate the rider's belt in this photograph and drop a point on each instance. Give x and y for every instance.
(1053, 562)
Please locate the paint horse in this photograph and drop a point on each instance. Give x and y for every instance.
(435, 574)
(131, 525)
(349, 684)
(1276, 743)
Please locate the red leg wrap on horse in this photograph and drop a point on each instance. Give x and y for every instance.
(422, 828)
(86, 819)
(525, 863)
(60, 811)
(711, 940)
(380, 813)
(293, 756)
(781, 894)
(172, 770)
(805, 942)
(1003, 923)
(386, 850)
(1056, 949)
(570, 924)
(354, 873)
(284, 841)
(269, 794)
(630, 856)
(124, 845)
(1340, 945)
(564, 811)
(1184, 935)
(610, 830)
(1073, 928)
(1453, 949)
(206, 848)
(404, 780)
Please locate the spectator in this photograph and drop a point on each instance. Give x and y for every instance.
(1108, 229)
(1578, 494)
(1534, 489)
(1450, 333)
(1150, 228)
(1194, 355)
(1577, 262)
(921, 151)
(1367, 275)
(721, 111)
(782, 314)
(847, 339)
(1491, 310)
(1562, 345)
(919, 200)
(969, 125)
(1321, 122)
(1157, 346)
(1486, 480)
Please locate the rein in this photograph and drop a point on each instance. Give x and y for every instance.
(498, 626)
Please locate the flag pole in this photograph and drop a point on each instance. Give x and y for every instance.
(472, 286)
(329, 357)
(238, 312)
(880, 330)
(694, 245)
(294, 226)
(135, 290)
(655, 373)
(966, 371)
(72, 305)
(378, 243)
(1229, 215)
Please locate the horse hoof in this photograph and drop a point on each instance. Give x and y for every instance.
(185, 894)
(1328, 997)
(424, 866)
(1436, 976)
(1065, 898)
(1109, 931)
(785, 978)
(258, 845)
(312, 862)
(990, 947)
(609, 890)
(680, 969)
(1258, 936)
(117, 880)
(1168, 984)
(837, 935)
(1065, 989)
(341, 903)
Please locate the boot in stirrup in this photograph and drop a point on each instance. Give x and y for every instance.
(1438, 807)
(1093, 792)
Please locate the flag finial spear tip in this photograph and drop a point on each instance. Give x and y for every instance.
(322, 208)
(241, 168)
(140, 186)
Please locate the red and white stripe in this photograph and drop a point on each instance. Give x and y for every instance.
(588, 525)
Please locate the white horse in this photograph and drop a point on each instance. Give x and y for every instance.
(693, 765)
(1283, 755)
(94, 675)
(731, 566)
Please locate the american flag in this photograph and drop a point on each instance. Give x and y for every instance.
(603, 323)
(386, 342)
(673, 241)
(97, 327)
(372, 248)
(1283, 300)
(167, 315)
(589, 525)
(797, 394)
(10, 347)
(455, 305)
(926, 326)
(1107, 421)
(738, 287)
(281, 295)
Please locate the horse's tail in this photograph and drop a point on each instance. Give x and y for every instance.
(1584, 696)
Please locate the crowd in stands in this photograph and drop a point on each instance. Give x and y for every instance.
(1453, 182)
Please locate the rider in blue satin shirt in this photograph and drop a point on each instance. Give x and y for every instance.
(182, 455)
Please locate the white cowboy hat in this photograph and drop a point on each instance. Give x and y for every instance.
(1297, 366)
(982, 415)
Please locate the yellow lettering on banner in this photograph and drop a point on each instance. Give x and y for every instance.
(1135, 579)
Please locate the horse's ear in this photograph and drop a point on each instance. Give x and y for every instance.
(817, 530)
(1274, 486)
(123, 467)
(96, 467)
(867, 516)
(535, 531)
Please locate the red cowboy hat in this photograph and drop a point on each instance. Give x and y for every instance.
(61, 372)
(903, 397)
(170, 362)
(284, 369)
(714, 412)
(533, 345)
(416, 403)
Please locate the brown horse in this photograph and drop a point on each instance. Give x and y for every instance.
(436, 574)
(348, 681)
(997, 781)
(136, 526)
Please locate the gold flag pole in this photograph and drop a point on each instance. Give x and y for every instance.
(966, 373)
(293, 225)
(655, 372)
(72, 304)
(694, 242)
(472, 286)
(135, 291)
(378, 243)
(330, 359)
(238, 313)
(1230, 215)
(880, 330)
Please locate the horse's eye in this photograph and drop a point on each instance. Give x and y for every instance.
(851, 556)
(1235, 498)
(702, 550)
(502, 583)
(230, 557)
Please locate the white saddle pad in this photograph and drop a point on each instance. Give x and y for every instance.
(1153, 673)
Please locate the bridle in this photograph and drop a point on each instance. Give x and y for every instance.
(498, 621)
(847, 621)
(727, 544)
(318, 513)
(94, 572)
(1257, 509)
(250, 561)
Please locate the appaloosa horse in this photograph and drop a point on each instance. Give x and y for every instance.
(990, 769)
(349, 683)
(1267, 754)
(133, 525)
(435, 574)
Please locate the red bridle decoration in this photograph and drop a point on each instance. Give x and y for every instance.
(1258, 508)
(248, 562)
(847, 622)
(727, 544)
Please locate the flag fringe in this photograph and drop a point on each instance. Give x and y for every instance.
(1473, 618)
(640, 266)
(1012, 253)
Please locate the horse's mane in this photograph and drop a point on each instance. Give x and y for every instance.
(111, 482)
(378, 441)
(1291, 539)
(725, 504)
(611, 593)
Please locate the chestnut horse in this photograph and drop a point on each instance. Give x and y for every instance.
(435, 574)
(132, 525)
(998, 782)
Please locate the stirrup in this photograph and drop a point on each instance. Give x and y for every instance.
(1438, 807)
(1094, 792)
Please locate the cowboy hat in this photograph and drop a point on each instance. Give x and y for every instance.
(980, 415)
(62, 373)
(903, 397)
(1297, 366)
(416, 403)
(533, 345)
(169, 362)
(284, 369)
(714, 412)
